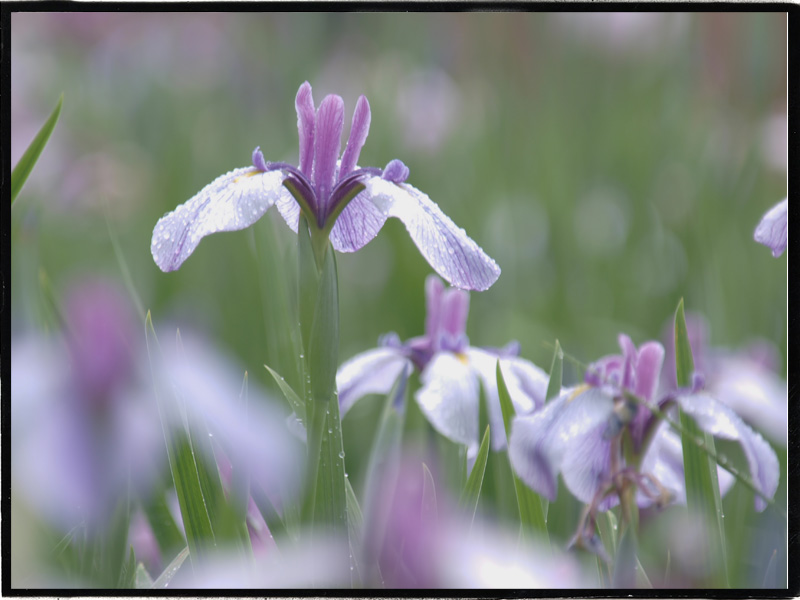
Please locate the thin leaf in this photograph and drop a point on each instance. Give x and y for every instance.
(355, 521)
(323, 347)
(429, 508)
(142, 579)
(700, 470)
(127, 577)
(168, 536)
(295, 402)
(642, 580)
(472, 490)
(275, 523)
(25, 165)
(533, 523)
(199, 534)
(625, 560)
(163, 580)
(556, 372)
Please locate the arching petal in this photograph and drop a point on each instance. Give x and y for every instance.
(551, 440)
(720, 421)
(772, 230)
(448, 249)
(371, 372)
(231, 202)
(526, 383)
(358, 223)
(449, 399)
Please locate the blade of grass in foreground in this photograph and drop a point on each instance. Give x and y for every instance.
(531, 512)
(700, 470)
(472, 489)
(25, 165)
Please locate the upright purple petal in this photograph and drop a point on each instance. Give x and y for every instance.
(455, 310)
(449, 399)
(551, 439)
(720, 421)
(304, 104)
(434, 290)
(448, 249)
(772, 230)
(327, 142)
(629, 360)
(371, 372)
(358, 135)
(231, 202)
(648, 368)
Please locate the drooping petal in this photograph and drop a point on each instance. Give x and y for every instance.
(358, 135)
(327, 141)
(448, 249)
(231, 202)
(304, 104)
(358, 223)
(526, 383)
(772, 230)
(371, 372)
(449, 399)
(720, 421)
(541, 442)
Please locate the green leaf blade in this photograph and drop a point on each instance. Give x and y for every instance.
(25, 165)
(472, 489)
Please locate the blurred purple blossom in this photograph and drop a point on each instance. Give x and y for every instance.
(575, 434)
(452, 372)
(772, 231)
(348, 203)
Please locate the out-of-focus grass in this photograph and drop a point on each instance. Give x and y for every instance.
(607, 179)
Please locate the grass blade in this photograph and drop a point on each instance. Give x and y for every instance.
(556, 374)
(295, 402)
(25, 165)
(531, 506)
(700, 470)
(163, 580)
(472, 490)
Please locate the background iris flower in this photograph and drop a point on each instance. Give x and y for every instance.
(451, 371)
(339, 199)
(772, 231)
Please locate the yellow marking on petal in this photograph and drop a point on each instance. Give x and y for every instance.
(578, 391)
(250, 174)
(463, 358)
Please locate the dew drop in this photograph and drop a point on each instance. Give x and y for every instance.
(341, 454)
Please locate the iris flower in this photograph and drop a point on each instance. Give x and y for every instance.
(575, 434)
(772, 230)
(451, 370)
(341, 201)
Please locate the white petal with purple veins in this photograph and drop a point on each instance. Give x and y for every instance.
(449, 399)
(772, 230)
(359, 222)
(231, 202)
(551, 439)
(448, 249)
(371, 372)
(720, 421)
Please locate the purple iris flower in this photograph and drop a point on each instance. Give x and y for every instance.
(772, 231)
(346, 203)
(451, 370)
(575, 434)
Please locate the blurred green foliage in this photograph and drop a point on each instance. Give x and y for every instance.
(610, 165)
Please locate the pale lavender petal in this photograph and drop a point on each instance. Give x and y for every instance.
(304, 104)
(258, 159)
(455, 310)
(547, 441)
(371, 372)
(648, 368)
(629, 360)
(755, 394)
(358, 135)
(448, 249)
(449, 399)
(586, 467)
(327, 142)
(434, 289)
(289, 209)
(231, 202)
(772, 230)
(720, 421)
(358, 223)
(526, 383)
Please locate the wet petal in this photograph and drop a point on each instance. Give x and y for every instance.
(449, 399)
(720, 421)
(772, 230)
(304, 104)
(526, 383)
(358, 135)
(231, 202)
(371, 372)
(447, 248)
(358, 223)
(541, 442)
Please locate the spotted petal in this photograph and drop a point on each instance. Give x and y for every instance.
(231, 202)
(720, 421)
(449, 399)
(553, 439)
(452, 254)
(371, 372)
